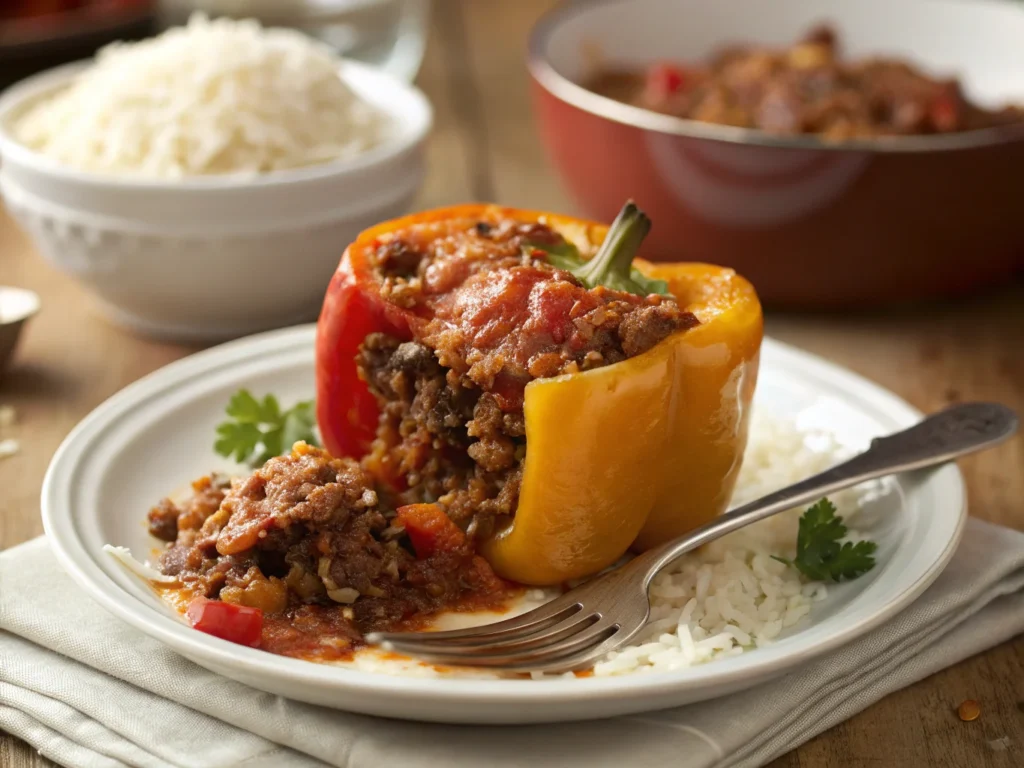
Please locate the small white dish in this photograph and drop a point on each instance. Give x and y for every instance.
(219, 256)
(156, 435)
(17, 305)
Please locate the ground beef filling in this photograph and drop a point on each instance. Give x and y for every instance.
(493, 315)
(805, 88)
(496, 314)
(315, 541)
(440, 441)
(305, 531)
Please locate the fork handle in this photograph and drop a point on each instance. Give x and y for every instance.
(939, 438)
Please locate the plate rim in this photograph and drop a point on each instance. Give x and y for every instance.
(83, 566)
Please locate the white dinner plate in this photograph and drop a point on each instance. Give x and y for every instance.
(157, 434)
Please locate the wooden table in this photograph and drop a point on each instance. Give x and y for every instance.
(485, 148)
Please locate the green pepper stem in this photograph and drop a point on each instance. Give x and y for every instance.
(614, 259)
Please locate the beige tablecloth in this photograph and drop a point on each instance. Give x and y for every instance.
(89, 691)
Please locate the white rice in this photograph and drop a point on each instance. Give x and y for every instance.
(731, 596)
(212, 97)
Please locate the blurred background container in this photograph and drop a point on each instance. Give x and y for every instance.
(812, 223)
(390, 34)
(39, 34)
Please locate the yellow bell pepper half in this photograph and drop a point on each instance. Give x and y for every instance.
(639, 452)
(626, 455)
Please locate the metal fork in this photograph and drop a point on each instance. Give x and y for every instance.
(577, 629)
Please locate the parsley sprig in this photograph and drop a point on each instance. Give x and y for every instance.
(258, 430)
(819, 553)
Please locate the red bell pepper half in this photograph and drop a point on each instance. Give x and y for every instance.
(346, 412)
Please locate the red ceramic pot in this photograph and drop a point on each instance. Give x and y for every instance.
(58, 33)
(811, 223)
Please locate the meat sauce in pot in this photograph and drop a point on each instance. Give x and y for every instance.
(807, 88)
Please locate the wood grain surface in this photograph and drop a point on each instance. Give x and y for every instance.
(485, 148)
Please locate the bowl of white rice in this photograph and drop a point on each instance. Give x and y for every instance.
(203, 183)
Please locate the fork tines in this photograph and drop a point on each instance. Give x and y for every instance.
(563, 637)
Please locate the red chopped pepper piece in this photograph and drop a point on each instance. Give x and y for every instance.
(430, 530)
(945, 110)
(666, 79)
(234, 623)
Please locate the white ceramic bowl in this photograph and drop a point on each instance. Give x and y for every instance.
(212, 257)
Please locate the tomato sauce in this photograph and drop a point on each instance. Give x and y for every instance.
(326, 633)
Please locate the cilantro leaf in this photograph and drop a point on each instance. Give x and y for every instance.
(299, 424)
(561, 256)
(649, 284)
(243, 407)
(258, 430)
(854, 560)
(237, 439)
(819, 553)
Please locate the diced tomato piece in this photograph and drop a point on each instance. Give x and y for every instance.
(234, 623)
(665, 79)
(430, 529)
(945, 112)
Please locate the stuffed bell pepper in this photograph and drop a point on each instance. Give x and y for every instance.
(505, 398)
(524, 377)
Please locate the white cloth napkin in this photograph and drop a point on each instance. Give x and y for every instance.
(89, 691)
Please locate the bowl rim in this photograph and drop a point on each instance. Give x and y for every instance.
(574, 94)
(30, 305)
(413, 112)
